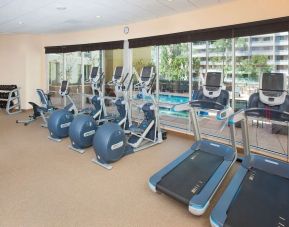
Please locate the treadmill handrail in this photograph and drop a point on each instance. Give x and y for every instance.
(241, 114)
(198, 104)
(282, 116)
(237, 117)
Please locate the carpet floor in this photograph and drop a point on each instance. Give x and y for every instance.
(44, 183)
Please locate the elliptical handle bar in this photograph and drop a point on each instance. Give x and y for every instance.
(130, 82)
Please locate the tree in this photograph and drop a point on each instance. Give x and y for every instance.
(174, 62)
(138, 65)
(71, 66)
(223, 49)
(196, 64)
(254, 66)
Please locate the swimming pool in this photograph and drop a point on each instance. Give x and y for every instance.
(166, 102)
(172, 99)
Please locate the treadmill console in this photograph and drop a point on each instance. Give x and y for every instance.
(64, 88)
(94, 72)
(273, 88)
(212, 87)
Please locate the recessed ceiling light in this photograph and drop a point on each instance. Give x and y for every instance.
(170, 0)
(20, 22)
(60, 7)
(98, 16)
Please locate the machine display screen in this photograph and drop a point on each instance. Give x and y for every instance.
(118, 72)
(64, 85)
(273, 81)
(213, 79)
(146, 73)
(94, 72)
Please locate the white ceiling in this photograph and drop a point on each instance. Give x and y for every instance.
(42, 16)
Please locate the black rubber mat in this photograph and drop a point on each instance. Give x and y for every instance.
(263, 200)
(190, 176)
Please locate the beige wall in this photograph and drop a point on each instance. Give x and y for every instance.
(22, 56)
(21, 63)
(141, 57)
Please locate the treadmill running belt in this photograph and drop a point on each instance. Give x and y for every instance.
(262, 200)
(189, 177)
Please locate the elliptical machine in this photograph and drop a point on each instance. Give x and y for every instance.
(83, 127)
(110, 142)
(60, 120)
(121, 86)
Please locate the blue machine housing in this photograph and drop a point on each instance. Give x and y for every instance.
(84, 126)
(59, 122)
(109, 143)
(81, 131)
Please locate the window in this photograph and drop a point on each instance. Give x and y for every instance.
(90, 59)
(174, 83)
(55, 76)
(282, 48)
(249, 67)
(281, 57)
(74, 77)
(263, 48)
(218, 59)
(112, 59)
(141, 57)
(254, 55)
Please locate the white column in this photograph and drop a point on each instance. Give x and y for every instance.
(207, 56)
(102, 53)
(64, 66)
(274, 53)
(158, 93)
(64, 73)
(288, 65)
(82, 81)
(47, 72)
(130, 71)
(233, 72)
(126, 56)
(190, 81)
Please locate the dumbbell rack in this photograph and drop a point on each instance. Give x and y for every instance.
(10, 98)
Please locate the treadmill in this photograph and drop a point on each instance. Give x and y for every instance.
(258, 194)
(195, 175)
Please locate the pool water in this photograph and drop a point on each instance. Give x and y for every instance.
(172, 99)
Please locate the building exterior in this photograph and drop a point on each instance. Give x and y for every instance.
(273, 46)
